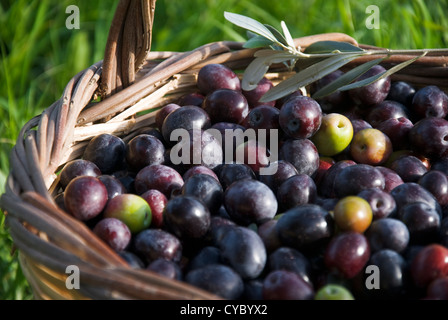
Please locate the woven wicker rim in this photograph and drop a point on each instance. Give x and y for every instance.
(130, 80)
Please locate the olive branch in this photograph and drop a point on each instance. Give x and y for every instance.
(317, 60)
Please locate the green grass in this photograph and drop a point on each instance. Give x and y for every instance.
(39, 54)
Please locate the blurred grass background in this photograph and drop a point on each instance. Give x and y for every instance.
(39, 55)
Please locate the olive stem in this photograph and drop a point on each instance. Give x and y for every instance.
(389, 52)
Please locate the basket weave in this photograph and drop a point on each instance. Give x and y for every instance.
(131, 79)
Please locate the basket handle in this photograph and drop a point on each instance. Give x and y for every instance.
(128, 44)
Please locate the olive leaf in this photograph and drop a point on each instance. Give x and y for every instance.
(257, 42)
(277, 34)
(307, 76)
(302, 64)
(256, 70)
(262, 53)
(346, 78)
(287, 34)
(328, 46)
(250, 24)
(381, 75)
(324, 48)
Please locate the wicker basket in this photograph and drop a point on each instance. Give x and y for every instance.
(131, 79)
